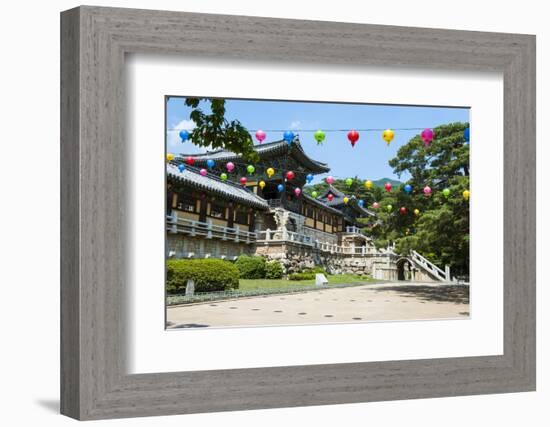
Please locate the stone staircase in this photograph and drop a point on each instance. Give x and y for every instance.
(430, 267)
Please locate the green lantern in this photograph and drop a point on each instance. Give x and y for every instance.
(223, 176)
(446, 192)
(250, 169)
(319, 136)
(389, 208)
(314, 194)
(349, 181)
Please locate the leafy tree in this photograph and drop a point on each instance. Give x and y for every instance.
(441, 231)
(213, 130)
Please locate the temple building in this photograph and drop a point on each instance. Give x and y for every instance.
(208, 216)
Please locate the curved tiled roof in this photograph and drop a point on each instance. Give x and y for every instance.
(229, 190)
(268, 149)
(338, 200)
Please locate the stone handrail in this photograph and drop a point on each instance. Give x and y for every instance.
(175, 225)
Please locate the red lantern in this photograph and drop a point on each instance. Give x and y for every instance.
(243, 180)
(290, 175)
(330, 197)
(353, 136)
(403, 210)
(387, 186)
(190, 160)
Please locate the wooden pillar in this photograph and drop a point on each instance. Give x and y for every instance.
(202, 211)
(231, 215)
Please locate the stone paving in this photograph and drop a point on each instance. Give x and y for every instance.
(373, 302)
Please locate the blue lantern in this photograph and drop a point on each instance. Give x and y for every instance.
(280, 188)
(181, 167)
(210, 163)
(361, 203)
(288, 137)
(408, 188)
(467, 135)
(309, 178)
(184, 135)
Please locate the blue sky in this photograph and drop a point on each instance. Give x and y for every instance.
(367, 160)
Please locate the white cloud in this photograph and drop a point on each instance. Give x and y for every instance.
(173, 141)
(295, 125)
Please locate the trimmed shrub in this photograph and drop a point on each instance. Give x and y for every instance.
(210, 275)
(273, 270)
(301, 276)
(251, 267)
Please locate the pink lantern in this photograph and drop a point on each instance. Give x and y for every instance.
(427, 136)
(203, 172)
(427, 190)
(329, 180)
(260, 136)
(375, 205)
(297, 191)
(230, 166)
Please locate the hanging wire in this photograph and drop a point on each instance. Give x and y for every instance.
(315, 130)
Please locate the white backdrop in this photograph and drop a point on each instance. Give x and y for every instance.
(29, 221)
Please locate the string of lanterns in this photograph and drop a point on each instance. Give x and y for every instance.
(427, 135)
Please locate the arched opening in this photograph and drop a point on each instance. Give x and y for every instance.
(404, 269)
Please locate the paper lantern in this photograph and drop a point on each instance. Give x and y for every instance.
(243, 180)
(203, 172)
(270, 172)
(427, 136)
(261, 184)
(375, 205)
(280, 188)
(416, 212)
(349, 182)
(368, 185)
(297, 192)
(184, 135)
(361, 203)
(467, 134)
(446, 192)
(314, 194)
(260, 135)
(466, 194)
(223, 176)
(387, 186)
(169, 157)
(402, 210)
(389, 208)
(330, 197)
(346, 200)
(353, 136)
(427, 190)
(309, 178)
(290, 175)
(388, 135)
(181, 167)
(329, 180)
(229, 166)
(288, 137)
(250, 169)
(319, 136)
(408, 188)
(190, 160)
(210, 163)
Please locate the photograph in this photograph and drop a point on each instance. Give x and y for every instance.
(283, 212)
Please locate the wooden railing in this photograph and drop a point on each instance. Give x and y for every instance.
(208, 230)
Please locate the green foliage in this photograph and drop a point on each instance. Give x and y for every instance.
(441, 231)
(301, 276)
(210, 275)
(273, 270)
(314, 270)
(251, 267)
(215, 131)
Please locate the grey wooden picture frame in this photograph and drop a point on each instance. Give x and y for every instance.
(94, 381)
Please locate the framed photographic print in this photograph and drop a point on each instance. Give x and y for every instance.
(262, 213)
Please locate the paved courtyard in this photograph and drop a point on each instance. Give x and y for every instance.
(373, 302)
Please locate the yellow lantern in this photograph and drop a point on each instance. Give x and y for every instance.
(388, 135)
(368, 185)
(416, 212)
(261, 184)
(270, 172)
(169, 157)
(346, 199)
(466, 194)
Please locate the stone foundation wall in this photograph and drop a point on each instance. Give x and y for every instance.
(180, 246)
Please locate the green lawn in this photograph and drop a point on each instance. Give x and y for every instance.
(245, 284)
